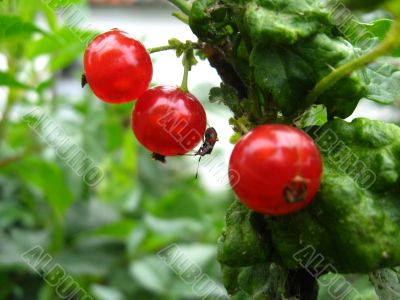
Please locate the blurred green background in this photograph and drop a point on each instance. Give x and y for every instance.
(105, 236)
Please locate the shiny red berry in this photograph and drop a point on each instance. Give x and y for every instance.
(168, 121)
(275, 169)
(118, 68)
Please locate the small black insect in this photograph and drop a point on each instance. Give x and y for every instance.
(158, 157)
(83, 80)
(210, 138)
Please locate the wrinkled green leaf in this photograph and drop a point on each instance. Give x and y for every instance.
(240, 244)
(386, 283)
(262, 281)
(285, 22)
(383, 79)
(289, 73)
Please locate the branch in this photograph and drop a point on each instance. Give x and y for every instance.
(389, 44)
(183, 5)
(12, 159)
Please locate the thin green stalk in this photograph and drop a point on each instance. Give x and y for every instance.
(243, 128)
(183, 5)
(187, 67)
(3, 123)
(389, 44)
(193, 45)
(181, 17)
(159, 49)
(11, 99)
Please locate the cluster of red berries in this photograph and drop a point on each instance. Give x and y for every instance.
(274, 169)
(166, 120)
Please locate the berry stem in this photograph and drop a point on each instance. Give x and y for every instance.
(186, 68)
(391, 41)
(193, 45)
(162, 48)
(183, 5)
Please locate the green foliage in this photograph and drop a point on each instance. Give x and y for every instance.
(240, 244)
(6, 79)
(13, 27)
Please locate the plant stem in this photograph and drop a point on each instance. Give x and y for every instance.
(183, 5)
(9, 160)
(159, 49)
(187, 67)
(389, 44)
(180, 16)
(173, 47)
(12, 97)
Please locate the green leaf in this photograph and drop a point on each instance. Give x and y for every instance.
(119, 230)
(102, 292)
(284, 74)
(386, 283)
(315, 115)
(239, 244)
(383, 80)
(379, 28)
(364, 4)
(211, 21)
(7, 79)
(290, 72)
(285, 22)
(65, 45)
(13, 26)
(374, 32)
(151, 273)
(227, 95)
(18, 241)
(89, 259)
(50, 180)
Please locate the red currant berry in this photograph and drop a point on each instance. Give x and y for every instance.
(118, 68)
(168, 121)
(275, 169)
